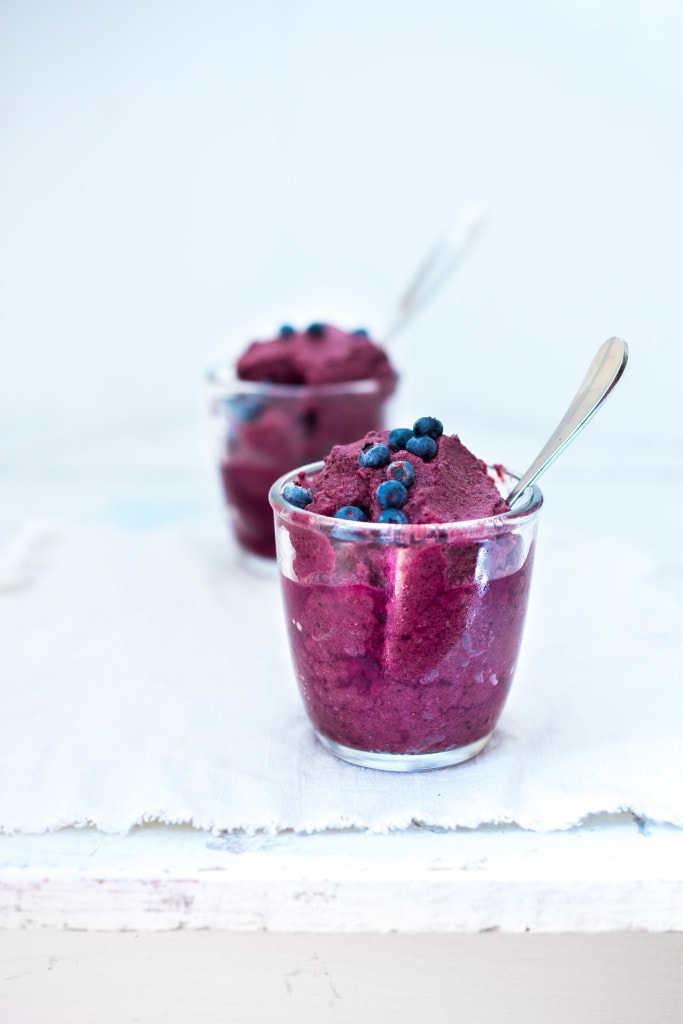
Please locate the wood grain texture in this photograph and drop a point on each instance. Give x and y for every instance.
(212, 978)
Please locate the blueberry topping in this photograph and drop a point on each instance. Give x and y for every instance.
(286, 331)
(424, 447)
(350, 512)
(245, 408)
(392, 515)
(360, 332)
(428, 426)
(397, 438)
(295, 495)
(401, 471)
(391, 494)
(376, 456)
(316, 330)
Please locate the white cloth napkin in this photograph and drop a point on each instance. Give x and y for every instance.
(145, 676)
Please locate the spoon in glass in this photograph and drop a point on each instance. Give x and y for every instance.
(605, 370)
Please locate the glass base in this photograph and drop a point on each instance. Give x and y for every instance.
(404, 762)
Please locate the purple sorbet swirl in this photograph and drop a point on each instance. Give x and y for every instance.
(320, 354)
(405, 643)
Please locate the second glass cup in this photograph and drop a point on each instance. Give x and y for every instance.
(404, 637)
(263, 430)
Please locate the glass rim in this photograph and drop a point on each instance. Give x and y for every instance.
(407, 533)
(223, 376)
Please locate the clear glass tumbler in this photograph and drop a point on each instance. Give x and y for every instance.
(404, 638)
(265, 429)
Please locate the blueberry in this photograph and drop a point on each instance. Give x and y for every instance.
(245, 408)
(376, 456)
(350, 512)
(360, 332)
(391, 494)
(296, 495)
(316, 330)
(424, 447)
(392, 515)
(397, 438)
(286, 331)
(429, 426)
(401, 471)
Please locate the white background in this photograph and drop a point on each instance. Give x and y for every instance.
(176, 178)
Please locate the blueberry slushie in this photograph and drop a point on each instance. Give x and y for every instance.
(405, 579)
(293, 397)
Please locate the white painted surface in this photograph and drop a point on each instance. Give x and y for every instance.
(610, 876)
(170, 925)
(226, 978)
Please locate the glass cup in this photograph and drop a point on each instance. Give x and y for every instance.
(265, 429)
(404, 638)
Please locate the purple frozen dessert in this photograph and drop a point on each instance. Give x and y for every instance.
(405, 579)
(320, 354)
(294, 397)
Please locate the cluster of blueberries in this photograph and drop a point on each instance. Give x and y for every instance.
(314, 331)
(392, 493)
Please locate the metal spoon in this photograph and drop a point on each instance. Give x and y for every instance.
(607, 367)
(447, 252)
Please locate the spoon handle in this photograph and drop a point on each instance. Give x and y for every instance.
(603, 373)
(446, 253)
